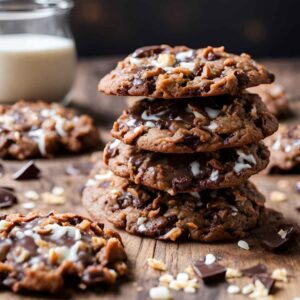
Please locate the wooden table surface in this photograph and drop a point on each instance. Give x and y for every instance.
(176, 256)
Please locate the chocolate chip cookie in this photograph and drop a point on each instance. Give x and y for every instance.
(275, 98)
(285, 150)
(195, 126)
(180, 173)
(35, 129)
(45, 253)
(179, 72)
(208, 216)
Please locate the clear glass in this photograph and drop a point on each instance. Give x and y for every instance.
(37, 50)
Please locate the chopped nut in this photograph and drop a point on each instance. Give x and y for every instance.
(259, 290)
(233, 273)
(160, 293)
(190, 271)
(98, 242)
(233, 289)
(84, 225)
(277, 196)
(156, 264)
(165, 279)
(280, 275)
(53, 256)
(247, 289)
(244, 245)
(165, 60)
(42, 243)
(173, 234)
(22, 254)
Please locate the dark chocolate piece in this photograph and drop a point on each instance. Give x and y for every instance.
(209, 273)
(7, 197)
(298, 209)
(255, 270)
(272, 241)
(266, 280)
(29, 171)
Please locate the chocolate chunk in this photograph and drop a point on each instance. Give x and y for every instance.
(255, 270)
(7, 198)
(298, 209)
(274, 242)
(29, 171)
(209, 273)
(266, 280)
(148, 51)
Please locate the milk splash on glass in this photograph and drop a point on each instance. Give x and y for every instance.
(36, 66)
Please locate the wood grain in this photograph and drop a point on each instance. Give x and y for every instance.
(176, 256)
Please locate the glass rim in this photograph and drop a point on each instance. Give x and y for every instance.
(19, 7)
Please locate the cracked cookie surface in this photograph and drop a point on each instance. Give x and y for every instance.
(45, 253)
(195, 126)
(35, 129)
(180, 173)
(208, 216)
(179, 72)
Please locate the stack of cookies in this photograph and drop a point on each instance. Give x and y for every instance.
(181, 158)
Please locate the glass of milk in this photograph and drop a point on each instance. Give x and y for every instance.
(37, 51)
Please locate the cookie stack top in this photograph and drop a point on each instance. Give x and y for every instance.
(180, 151)
(218, 118)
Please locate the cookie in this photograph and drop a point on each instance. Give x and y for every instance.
(275, 98)
(285, 150)
(195, 126)
(35, 129)
(179, 72)
(208, 216)
(180, 173)
(45, 253)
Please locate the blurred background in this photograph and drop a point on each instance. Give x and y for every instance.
(264, 28)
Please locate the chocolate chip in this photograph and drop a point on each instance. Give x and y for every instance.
(148, 51)
(28, 171)
(298, 209)
(181, 183)
(7, 198)
(274, 242)
(266, 280)
(212, 56)
(255, 270)
(242, 78)
(209, 273)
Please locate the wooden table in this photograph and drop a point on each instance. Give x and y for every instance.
(177, 256)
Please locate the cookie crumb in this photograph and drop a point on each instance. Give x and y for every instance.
(277, 196)
(244, 245)
(210, 259)
(247, 289)
(31, 195)
(233, 289)
(160, 293)
(280, 275)
(28, 205)
(156, 264)
(233, 273)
